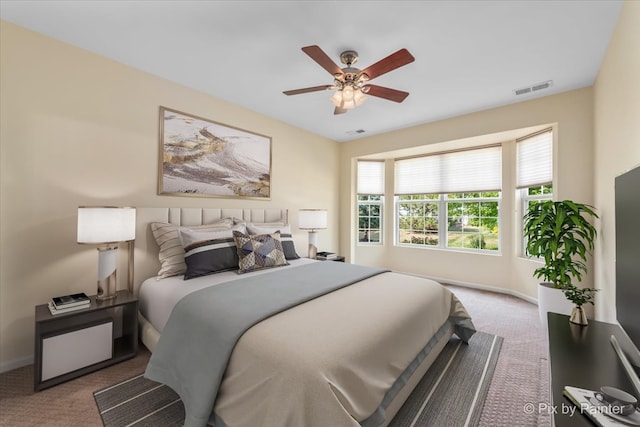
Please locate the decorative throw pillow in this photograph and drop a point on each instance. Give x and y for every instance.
(258, 252)
(171, 253)
(209, 252)
(286, 238)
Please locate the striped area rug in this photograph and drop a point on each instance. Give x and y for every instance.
(451, 393)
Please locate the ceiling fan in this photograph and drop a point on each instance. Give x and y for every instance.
(352, 83)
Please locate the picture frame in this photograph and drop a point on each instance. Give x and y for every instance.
(200, 157)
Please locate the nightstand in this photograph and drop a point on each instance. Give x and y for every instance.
(73, 344)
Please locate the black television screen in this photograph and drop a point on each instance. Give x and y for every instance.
(627, 217)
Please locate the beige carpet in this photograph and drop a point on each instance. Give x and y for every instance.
(521, 374)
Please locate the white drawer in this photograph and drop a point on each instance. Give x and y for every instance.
(74, 350)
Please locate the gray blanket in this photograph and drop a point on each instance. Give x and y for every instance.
(194, 349)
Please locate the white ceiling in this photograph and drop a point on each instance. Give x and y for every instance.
(470, 55)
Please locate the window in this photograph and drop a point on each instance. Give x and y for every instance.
(473, 220)
(418, 219)
(464, 220)
(370, 201)
(450, 200)
(534, 162)
(534, 169)
(531, 196)
(369, 218)
(534, 195)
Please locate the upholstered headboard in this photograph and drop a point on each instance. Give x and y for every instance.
(146, 262)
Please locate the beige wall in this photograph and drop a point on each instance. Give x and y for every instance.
(79, 129)
(617, 140)
(571, 114)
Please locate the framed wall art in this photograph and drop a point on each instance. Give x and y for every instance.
(203, 158)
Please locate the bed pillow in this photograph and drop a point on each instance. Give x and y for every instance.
(171, 253)
(209, 252)
(286, 238)
(257, 252)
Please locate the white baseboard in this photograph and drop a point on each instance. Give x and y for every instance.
(15, 364)
(479, 286)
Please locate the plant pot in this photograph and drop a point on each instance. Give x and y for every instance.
(578, 316)
(552, 299)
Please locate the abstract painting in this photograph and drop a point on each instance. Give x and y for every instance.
(203, 158)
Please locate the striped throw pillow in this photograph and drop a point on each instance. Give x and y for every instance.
(171, 253)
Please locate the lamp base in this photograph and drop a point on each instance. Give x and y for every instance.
(313, 244)
(107, 278)
(313, 251)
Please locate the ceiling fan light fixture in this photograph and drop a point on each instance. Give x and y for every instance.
(347, 93)
(336, 99)
(348, 98)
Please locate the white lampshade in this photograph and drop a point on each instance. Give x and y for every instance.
(106, 224)
(312, 219)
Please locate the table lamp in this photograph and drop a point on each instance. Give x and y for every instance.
(106, 226)
(312, 220)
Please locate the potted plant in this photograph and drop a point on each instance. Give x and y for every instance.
(579, 296)
(561, 234)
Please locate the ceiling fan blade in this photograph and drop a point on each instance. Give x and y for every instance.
(322, 59)
(307, 89)
(387, 93)
(339, 110)
(390, 63)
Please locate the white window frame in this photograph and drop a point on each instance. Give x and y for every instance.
(370, 182)
(380, 204)
(443, 221)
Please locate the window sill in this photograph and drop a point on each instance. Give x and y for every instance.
(453, 250)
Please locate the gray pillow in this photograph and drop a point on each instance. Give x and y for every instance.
(209, 252)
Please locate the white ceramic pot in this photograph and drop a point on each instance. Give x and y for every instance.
(551, 299)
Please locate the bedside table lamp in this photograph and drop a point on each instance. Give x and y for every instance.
(312, 220)
(106, 226)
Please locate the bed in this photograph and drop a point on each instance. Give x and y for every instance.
(337, 344)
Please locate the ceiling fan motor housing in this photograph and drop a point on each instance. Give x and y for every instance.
(349, 57)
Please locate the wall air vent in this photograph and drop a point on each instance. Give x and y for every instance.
(355, 132)
(534, 88)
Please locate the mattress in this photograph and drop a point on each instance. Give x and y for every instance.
(157, 297)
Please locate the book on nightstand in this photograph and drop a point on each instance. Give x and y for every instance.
(53, 310)
(73, 300)
(326, 255)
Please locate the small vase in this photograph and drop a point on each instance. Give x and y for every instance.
(578, 316)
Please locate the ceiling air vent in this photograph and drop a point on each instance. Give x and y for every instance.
(355, 132)
(534, 88)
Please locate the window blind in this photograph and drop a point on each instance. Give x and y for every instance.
(534, 159)
(454, 172)
(370, 177)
